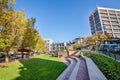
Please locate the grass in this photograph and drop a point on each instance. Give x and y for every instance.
(109, 67)
(43, 67)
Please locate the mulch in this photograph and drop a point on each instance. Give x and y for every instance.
(5, 64)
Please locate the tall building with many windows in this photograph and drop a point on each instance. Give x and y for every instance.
(105, 20)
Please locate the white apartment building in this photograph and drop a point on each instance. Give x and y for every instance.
(77, 40)
(59, 46)
(105, 20)
(48, 43)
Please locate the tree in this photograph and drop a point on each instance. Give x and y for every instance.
(6, 19)
(40, 44)
(98, 38)
(12, 26)
(77, 46)
(16, 30)
(32, 38)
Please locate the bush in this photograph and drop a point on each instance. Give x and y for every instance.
(109, 67)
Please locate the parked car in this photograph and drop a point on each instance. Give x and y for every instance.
(108, 47)
(115, 49)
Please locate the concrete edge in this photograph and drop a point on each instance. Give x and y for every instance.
(65, 71)
(73, 75)
(94, 72)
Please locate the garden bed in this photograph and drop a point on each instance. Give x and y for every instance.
(109, 67)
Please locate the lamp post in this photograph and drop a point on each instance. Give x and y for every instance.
(96, 45)
(67, 51)
(81, 44)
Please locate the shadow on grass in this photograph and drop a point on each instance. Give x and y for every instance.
(40, 69)
(4, 66)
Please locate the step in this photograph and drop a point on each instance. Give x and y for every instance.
(93, 71)
(67, 62)
(73, 75)
(66, 71)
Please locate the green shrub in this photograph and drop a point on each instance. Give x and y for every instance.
(109, 67)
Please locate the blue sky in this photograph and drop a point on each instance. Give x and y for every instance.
(63, 20)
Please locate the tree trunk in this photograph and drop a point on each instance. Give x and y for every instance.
(67, 53)
(22, 55)
(6, 57)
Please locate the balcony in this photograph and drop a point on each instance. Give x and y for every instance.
(115, 24)
(109, 32)
(105, 22)
(118, 12)
(104, 19)
(116, 27)
(104, 15)
(116, 32)
(113, 16)
(103, 11)
(112, 13)
(113, 19)
(107, 27)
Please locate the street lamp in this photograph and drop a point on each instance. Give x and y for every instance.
(67, 51)
(81, 43)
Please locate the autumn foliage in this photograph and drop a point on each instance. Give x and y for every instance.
(16, 30)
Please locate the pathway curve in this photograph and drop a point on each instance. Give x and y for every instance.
(66, 77)
(81, 69)
(82, 72)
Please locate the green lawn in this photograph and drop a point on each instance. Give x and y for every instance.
(43, 67)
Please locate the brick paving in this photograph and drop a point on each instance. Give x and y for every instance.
(82, 72)
(81, 69)
(66, 77)
(74, 73)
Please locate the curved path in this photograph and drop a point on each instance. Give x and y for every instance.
(75, 69)
(65, 75)
(82, 72)
(81, 69)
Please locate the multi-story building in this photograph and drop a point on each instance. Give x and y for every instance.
(59, 46)
(105, 20)
(48, 43)
(76, 41)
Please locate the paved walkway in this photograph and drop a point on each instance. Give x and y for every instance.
(74, 73)
(81, 69)
(65, 75)
(82, 72)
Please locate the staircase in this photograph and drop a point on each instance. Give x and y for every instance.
(81, 69)
(73, 69)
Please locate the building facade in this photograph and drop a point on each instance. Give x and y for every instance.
(59, 46)
(48, 44)
(105, 20)
(76, 41)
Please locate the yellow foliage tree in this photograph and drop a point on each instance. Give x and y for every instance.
(16, 30)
